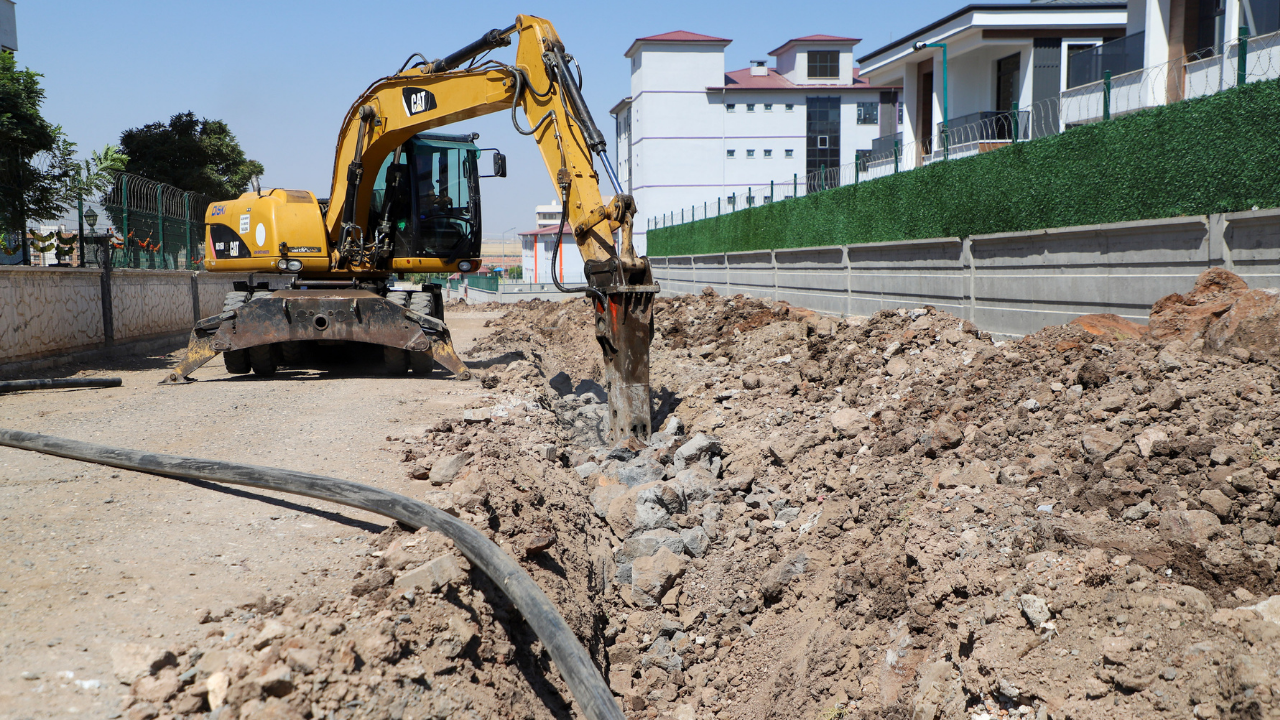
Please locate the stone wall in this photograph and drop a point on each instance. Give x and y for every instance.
(46, 312)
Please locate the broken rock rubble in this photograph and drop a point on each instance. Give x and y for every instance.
(906, 518)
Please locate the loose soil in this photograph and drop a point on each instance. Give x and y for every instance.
(884, 517)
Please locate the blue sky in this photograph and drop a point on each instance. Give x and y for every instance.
(282, 74)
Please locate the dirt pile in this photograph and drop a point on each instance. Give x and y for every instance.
(892, 516)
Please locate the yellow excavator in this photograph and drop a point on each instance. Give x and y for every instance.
(322, 270)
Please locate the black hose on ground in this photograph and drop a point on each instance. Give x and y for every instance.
(16, 385)
(584, 680)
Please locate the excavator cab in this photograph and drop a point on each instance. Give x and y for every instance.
(430, 192)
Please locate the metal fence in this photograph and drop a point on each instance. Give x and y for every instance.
(137, 223)
(1198, 74)
(153, 225)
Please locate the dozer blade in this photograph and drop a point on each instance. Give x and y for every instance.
(292, 315)
(624, 329)
(199, 351)
(442, 349)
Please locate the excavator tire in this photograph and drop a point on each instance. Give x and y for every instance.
(421, 362)
(396, 360)
(237, 361)
(423, 303)
(262, 360)
(234, 300)
(293, 353)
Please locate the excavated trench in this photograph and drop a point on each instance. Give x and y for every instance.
(892, 516)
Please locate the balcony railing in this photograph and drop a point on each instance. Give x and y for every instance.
(885, 144)
(1118, 56)
(987, 126)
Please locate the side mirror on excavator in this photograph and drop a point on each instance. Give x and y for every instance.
(499, 165)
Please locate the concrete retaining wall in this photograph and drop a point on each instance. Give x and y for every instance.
(509, 293)
(1008, 283)
(47, 313)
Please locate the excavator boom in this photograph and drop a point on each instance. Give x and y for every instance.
(541, 86)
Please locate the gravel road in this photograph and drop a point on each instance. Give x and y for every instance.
(94, 557)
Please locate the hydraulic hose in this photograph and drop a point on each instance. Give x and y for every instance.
(584, 680)
(59, 384)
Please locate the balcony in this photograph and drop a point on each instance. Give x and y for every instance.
(1118, 56)
(987, 126)
(883, 145)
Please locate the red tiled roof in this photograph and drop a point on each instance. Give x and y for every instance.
(744, 80)
(549, 230)
(824, 38)
(683, 36)
(676, 36)
(816, 39)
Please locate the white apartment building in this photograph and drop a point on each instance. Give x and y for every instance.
(8, 26)
(537, 251)
(692, 135)
(998, 57)
(546, 215)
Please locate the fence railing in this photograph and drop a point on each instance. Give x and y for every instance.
(1116, 57)
(1198, 74)
(154, 225)
(137, 223)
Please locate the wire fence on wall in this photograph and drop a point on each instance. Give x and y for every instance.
(1205, 72)
(137, 223)
(153, 225)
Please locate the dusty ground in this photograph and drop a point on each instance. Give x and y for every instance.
(93, 557)
(884, 517)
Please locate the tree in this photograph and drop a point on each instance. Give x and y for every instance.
(199, 155)
(98, 172)
(36, 164)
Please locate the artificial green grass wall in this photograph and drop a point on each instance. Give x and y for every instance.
(1209, 155)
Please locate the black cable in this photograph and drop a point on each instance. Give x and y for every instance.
(582, 676)
(58, 384)
(406, 62)
(522, 84)
(555, 254)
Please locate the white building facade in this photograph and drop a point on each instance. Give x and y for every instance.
(8, 26)
(546, 215)
(539, 259)
(999, 58)
(693, 138)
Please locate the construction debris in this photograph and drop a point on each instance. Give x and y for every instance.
(893, 516)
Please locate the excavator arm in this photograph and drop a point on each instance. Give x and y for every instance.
(540, 84)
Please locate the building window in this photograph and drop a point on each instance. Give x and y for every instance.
(768, 153)
(729, 153)
(789, 153)
(751, 154)
(822, 134)
(824, 63)
(729, 107)
(751, 107)
(768, 107)
(868, 113)
(1262, 17)
(790, 107)
(1007, 84)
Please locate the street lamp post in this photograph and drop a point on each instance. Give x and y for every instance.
(946, 130)
(90, 217)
